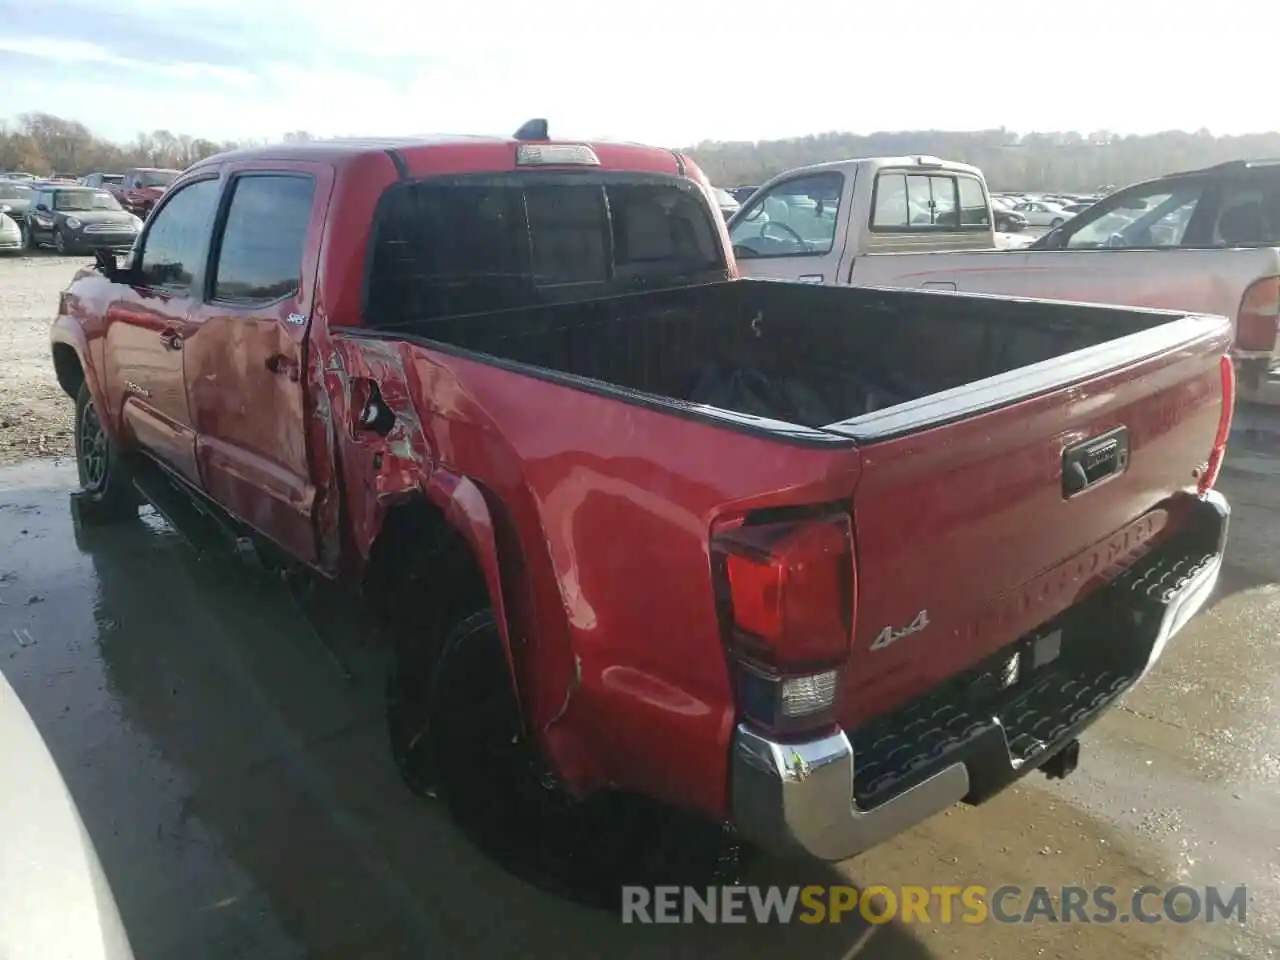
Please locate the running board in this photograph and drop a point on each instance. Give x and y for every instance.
(201, 523)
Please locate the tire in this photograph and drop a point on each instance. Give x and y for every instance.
(504, 799)
(107, 493)
(1055, 223)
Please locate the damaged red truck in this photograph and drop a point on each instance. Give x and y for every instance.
(812, 562)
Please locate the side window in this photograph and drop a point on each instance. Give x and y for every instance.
(1249, 212)
(793, 218)
(260, 252)
(178, 236)
(1156, 216)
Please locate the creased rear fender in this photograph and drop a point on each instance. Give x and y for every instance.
(379, 473)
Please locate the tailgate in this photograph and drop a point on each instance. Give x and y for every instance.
(968, 530)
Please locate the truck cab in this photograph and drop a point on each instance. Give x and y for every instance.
(809, 224)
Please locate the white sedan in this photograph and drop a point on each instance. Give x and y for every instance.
(1041, 213)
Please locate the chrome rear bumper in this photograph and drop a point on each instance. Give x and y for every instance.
(799, 798)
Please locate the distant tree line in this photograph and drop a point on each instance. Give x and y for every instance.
(1033, 161)
(44, 144)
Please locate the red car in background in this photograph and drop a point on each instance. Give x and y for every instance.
(141, 187)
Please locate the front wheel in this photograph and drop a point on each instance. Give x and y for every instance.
(501, 794)
(107, 493)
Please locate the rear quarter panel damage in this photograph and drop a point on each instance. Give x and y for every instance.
(590, 518)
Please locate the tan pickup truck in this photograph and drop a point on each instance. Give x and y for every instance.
(1205, 241)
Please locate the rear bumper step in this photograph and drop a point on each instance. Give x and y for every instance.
(834, 797)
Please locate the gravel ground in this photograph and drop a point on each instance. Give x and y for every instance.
(35, 415)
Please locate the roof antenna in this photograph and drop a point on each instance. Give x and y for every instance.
(533, 130)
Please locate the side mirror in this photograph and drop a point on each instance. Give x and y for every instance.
(106, 263)
(1055, 239)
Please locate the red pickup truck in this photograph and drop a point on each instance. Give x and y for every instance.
(814, 562)
(139, 188)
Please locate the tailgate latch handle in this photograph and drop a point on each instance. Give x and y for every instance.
(1084, 465)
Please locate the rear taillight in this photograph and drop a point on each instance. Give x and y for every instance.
(1209, 475)
(785, 594)
(1256, 323)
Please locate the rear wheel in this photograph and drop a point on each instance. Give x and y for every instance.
(502, 795)
(107, 492)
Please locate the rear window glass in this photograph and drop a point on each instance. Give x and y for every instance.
(905, 202)
(451, 248)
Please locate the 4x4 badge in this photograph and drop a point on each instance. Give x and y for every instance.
(889, 635)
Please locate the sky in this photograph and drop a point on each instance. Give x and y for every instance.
(664, 72)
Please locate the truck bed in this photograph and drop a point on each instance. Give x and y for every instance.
(798, 353)
(962, 410)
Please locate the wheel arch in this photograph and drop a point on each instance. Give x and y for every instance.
(68, 368)
(454, 517)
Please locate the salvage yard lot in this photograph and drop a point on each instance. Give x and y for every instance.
(240, 795)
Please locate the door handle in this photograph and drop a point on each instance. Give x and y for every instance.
(172, 339)
(1092, 461)
(279, 363)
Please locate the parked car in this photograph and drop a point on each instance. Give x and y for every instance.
(17, 175)
(1205, 241)
(1079, 207)
(15, 203)
(1007, 220)
(1042, 213)
(603, 494)
(11, 235)
(55, 900)
(73, 219)
(102, 179)
(726, 202)
(141, 187)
